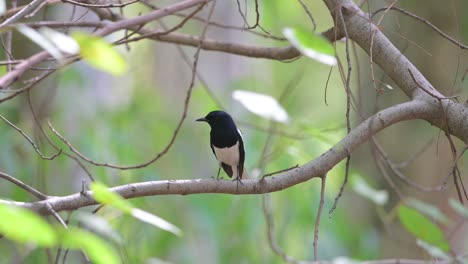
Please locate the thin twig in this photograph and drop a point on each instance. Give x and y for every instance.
(24, 186)
(271, 232)
(326, 85)
(64, 24)
(371, 49)
(384, 173)
(35, 11)
(44, 134)
(30, 140)
(309, 14)
(22, 13)
(126, 39)
(219, 25)
(317, 219)
(384, 158)
(99, 5)
(280, 171)
(10, 62)
(175, 133)
(415, 155)
(428, 92)
(348, 110)
(444, 35)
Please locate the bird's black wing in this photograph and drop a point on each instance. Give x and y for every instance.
(212, 149)
(227, 168)
(241, 155)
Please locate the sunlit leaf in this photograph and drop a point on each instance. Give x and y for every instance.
(98, 250)
(460, 208)
(360, 186)
(311, 45)
(100, 54)
(421, 227)
(261, 104)
(156, 221)
(40, 40)
(103, 195)
(98, 225)
(22, 225)
(428, 210)
(432, 250)
(63, 42)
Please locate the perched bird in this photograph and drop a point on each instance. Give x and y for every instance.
(226, 143)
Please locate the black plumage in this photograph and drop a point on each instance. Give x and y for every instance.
(226, 143)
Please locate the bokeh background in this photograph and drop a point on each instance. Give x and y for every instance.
(129, 119)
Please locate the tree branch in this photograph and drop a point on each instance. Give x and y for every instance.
(397, 66)
(315, 168)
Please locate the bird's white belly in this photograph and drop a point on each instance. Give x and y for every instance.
(229, 155)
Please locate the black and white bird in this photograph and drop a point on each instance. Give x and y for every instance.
(226, 143)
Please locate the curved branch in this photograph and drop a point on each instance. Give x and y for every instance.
(24, 186)
(315, 168)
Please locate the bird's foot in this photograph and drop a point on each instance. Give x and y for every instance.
(238, 181)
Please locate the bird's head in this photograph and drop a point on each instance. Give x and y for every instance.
(217, 118)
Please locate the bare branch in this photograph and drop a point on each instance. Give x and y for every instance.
(312, 169)
(317, 219)
(41, 129)
(30, 140)
(144, 19)
(100, 6)
(396, 65)
(348, 109)
(24, 186)
(24, 11)
(309, 14)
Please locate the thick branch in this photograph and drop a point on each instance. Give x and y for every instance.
(398, 67)
(315, 168)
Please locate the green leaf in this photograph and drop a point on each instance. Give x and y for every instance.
(103, 195)
(421, 227)
(428, 210)
(311, 45)
(459, 208)
(100, 54)
(433, 250)
(360, 186)
(97, 249)
(23, 226)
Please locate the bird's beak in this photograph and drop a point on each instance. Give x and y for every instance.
(202, 119)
